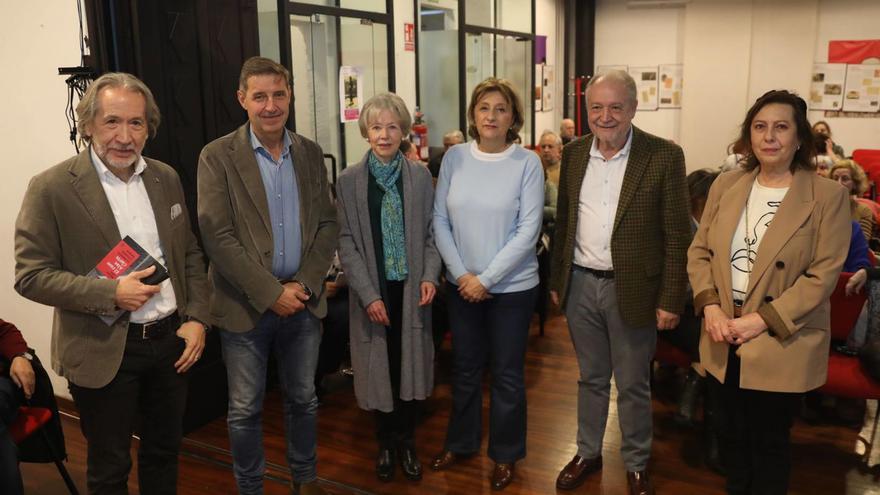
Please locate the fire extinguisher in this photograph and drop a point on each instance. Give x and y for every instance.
(419, 135)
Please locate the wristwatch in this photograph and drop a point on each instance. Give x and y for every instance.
(26, 354)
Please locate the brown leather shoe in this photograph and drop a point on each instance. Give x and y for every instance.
(502, 475)
(576, 472)
(639, 483)
(443, 460)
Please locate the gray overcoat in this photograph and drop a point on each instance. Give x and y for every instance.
(369, 355)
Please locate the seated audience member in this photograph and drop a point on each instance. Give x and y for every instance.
(334, 339)
(550, 151)
(410, 152)
(16, 383)
(822, 160)
(732, 162)
(851, 176)
(450, 139)
(551, 193)
(566, 131)
(835, 151)
(869, 353)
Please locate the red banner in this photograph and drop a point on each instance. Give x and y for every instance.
(854, 52)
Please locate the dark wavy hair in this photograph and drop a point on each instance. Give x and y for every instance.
(803, 157)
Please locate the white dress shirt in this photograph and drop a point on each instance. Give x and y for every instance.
(134, 217)
(597, 207)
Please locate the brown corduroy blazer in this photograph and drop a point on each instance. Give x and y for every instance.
(651, 227)
(795, 270)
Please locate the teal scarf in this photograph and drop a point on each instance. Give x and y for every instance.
(393, 239)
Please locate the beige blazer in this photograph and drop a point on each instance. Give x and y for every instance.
(237, 235)
(795, 271)
(64, 228)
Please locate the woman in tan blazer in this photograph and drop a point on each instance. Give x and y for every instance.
(762, 265)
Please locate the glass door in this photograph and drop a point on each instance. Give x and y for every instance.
(322, 48)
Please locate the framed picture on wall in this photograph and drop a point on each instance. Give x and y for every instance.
(646, 86)
(670, 85)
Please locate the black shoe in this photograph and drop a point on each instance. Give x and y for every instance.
(690, 397)
(385, 464)
(712, 452)
(409, 463)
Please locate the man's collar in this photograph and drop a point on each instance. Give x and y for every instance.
(103, 170)
(594, 147)
(257, 145)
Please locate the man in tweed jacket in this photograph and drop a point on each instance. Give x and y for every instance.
(619, 269)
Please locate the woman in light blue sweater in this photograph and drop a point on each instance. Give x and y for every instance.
(488, 209)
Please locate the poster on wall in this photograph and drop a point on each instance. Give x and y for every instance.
(862, 90)
(548, 79)
(409, 37)
(670, 85)
(602, 69)
(646, 86)
(351, 92)
(826, 88)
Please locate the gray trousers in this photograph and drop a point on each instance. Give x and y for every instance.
(604, 344)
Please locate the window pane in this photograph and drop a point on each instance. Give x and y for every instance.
(515, 15)
(438, 69)
(267, 27)
(480, 12)
(514, 64)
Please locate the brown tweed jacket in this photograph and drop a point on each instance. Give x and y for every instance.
(651, 231)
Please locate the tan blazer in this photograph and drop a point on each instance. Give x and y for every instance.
(651, 230)
(64, 228)
(795, 271)
(237, 235)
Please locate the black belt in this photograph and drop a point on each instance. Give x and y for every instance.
(596, 273)
(738, 308)
(154, 329)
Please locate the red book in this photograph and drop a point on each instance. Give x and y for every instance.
(126, 257)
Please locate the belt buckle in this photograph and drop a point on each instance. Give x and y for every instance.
(147, 326)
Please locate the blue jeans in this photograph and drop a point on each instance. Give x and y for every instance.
(493, 333)
(295, 341)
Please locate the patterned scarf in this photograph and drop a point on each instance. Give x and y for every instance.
(393, 240)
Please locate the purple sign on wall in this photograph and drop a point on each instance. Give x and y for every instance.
(540, 49)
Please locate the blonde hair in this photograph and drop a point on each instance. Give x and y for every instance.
(508, 92)
(385, 101)
(87, 109)
(860, 180)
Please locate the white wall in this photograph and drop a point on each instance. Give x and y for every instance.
(639, 37)
(38, 37)
(404, 61)
(733, 51)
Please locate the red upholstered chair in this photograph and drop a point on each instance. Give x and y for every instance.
(30, 420)
(845, 375)
(870, 163)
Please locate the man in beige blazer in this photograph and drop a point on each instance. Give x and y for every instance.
(269, 228)
(72, 215)
(618, 268)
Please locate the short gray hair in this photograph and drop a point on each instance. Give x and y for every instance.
(87, 109)
(618, 76)
(385, 101)
(456, 134)
(556, 138)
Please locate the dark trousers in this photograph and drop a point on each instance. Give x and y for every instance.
(686, 336)
(146, 386)
(334, 338)
(10, 476)
(490, 333)
(395, 428)
(754, 434)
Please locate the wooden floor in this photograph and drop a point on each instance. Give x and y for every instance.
(824, 462)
